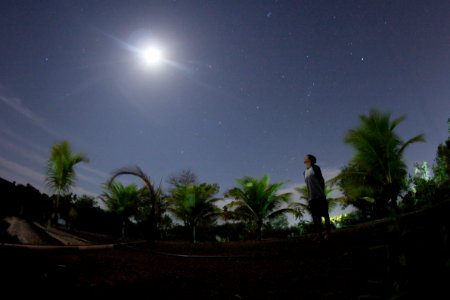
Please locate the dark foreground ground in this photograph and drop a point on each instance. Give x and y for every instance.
(408, 259)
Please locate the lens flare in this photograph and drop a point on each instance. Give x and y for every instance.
(152, 56)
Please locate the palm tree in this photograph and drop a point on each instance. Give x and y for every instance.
(123, 200)
(377, 167)
(193, 204)
(60, 174)
(154, 195)
(256, 200)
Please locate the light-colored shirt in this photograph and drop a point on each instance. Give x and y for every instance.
(314, 183)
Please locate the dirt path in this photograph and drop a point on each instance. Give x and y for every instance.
(36, 234)
(64, 237)
(23, 231)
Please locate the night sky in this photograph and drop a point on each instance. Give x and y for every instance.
(244, 87)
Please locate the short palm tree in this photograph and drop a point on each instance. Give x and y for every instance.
(153, 193)
(194, 204)
(60, 174)
(122, 200)
(256, 200)
(378, 160)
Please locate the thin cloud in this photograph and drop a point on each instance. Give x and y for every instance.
(330, 173)
(17, 105)
(29, 155)
(21, 140)
(11, 170)
(96, 172)
(35, 154)
(22, 173)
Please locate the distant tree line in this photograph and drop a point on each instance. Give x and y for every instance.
(24, 200)
(375, 182)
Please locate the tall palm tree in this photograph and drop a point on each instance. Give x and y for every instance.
(60, 173)
(193, 204)
(153, 193)
(256, 200)
(123, 200)
(377, 166)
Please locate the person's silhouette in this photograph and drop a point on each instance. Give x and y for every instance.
(317, 201)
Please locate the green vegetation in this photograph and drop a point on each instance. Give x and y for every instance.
(256, 200)
(153, 194)
(375, 176)
(60, 171)
(122, 200)
(194, 204)
(375, 182)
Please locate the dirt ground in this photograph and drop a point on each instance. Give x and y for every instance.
(372, 261)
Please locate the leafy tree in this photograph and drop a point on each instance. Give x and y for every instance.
(144, 213)
(154, 195)
(256, 200)
(422, 189)
(85, 203)
(123, 200)
(278, 222)
(356, 192)
(91, 217)
(377, 173)
(60, 175)
(441, 168)
(184, 177)
(194, 204)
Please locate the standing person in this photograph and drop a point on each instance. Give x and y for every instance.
(317, 201)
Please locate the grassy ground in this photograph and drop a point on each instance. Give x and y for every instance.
(379, 260)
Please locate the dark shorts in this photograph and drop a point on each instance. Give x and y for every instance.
(318, 207)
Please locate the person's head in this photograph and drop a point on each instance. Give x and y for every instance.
(309, 160)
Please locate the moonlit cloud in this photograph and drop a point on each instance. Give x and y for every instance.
(32, 153)
(98, 173)
(18, 106)
(33, 156)
(13, 137)
(11, 170)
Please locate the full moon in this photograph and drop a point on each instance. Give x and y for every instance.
(152, 56)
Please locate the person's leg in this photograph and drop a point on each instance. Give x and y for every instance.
(326, 215)
(328, 224)
(314, 206)
(318, 226)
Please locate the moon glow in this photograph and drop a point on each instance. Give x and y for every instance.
(152, 56)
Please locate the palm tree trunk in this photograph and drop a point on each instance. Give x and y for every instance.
(54, 217)
(259, 231)
(123, 229)
(193, 234)
(153, 227)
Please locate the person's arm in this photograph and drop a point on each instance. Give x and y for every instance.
(319, 175)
